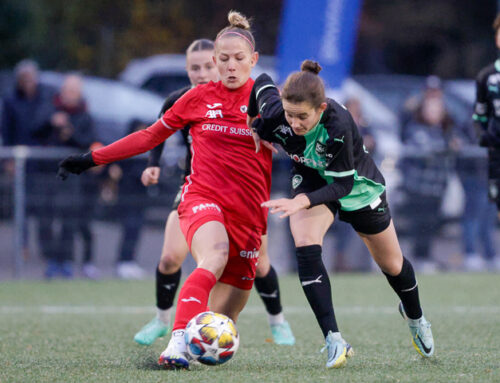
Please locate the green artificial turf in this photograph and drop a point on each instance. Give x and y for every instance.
(82, 331)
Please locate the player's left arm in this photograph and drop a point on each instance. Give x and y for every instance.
(340, 166)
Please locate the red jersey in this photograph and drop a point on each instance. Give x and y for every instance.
(224, 165)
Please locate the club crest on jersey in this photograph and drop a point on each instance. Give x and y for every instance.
(296, 181)
(320, 148)
(243, 108)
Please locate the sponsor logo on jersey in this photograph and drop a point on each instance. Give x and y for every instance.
(341, 139)
(296, 180)
(243, 108)
(205, 206)
(320, 148)
(249, 254)
(227, 129)
(214, 114)
(247, 279)
(216, 105)
(308, 161)
(283, 129)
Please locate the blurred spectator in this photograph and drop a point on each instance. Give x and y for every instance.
(479, 216)
(69, 125)
(344, 234)
(132, 202)
(24, 113)
(425, 168)
(432, 88)
(27, 108)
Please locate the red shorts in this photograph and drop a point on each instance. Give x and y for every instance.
(244, 240)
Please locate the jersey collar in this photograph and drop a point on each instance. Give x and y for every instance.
(315, 127)
(497, 65)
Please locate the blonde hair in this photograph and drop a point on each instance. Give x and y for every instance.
(239, 25)
(200, 45)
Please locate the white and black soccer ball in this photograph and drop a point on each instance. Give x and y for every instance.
(211, 338)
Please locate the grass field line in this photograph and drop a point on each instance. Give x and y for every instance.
(249, 310)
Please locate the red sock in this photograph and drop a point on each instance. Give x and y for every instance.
(193, 297)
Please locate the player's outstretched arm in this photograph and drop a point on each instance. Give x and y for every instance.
(75, 164)
(129, 146)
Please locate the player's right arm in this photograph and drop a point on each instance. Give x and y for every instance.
(136, 143)
(265, 102)
(482, 107)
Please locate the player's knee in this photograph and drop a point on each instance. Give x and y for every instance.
(215, 259)
(170, 262)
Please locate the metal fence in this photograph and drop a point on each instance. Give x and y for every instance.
(22, 197)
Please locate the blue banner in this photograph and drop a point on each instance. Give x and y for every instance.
(321, 30)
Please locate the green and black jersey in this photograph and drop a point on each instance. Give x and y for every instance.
(333, 148)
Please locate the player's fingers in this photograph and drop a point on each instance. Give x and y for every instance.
(155, 172)
(250, 121)
(270, 146)
(284, 215)
(256, 140)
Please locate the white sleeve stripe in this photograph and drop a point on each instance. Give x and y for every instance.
(264, 87)
(339, 174)
(165, 124)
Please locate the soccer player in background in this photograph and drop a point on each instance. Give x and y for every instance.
(200, 69)
(332, 173)
(487, 117)
(219, 213)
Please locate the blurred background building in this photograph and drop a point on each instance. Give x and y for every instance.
(404, 68)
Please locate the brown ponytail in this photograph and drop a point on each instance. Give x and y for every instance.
(305, 86)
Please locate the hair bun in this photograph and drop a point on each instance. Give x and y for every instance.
(237, 20)
(310, 66)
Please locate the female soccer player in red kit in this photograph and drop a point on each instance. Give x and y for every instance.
(220, 213)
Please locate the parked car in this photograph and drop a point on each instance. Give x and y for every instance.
(165, 73)
(112, 104)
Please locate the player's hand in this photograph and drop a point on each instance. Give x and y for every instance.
(150, 175)
(75, 164)
(287, 206)
(253, 123)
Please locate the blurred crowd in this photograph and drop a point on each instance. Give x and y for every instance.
(435, 152)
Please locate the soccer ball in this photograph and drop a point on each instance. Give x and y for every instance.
(211, 338)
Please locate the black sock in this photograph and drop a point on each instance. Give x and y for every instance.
(316, 285)
(406, 286)
(269, 291)
(166, 288)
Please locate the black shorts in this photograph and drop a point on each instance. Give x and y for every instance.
(177, 199)
(372, 219)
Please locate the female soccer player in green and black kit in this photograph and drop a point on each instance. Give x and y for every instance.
(487, 118)
(332, 173)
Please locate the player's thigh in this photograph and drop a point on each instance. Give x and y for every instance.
(175, 247)
(264, 264)
(385, 250)
(309, 226)
(210, 247)
(228, 300)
